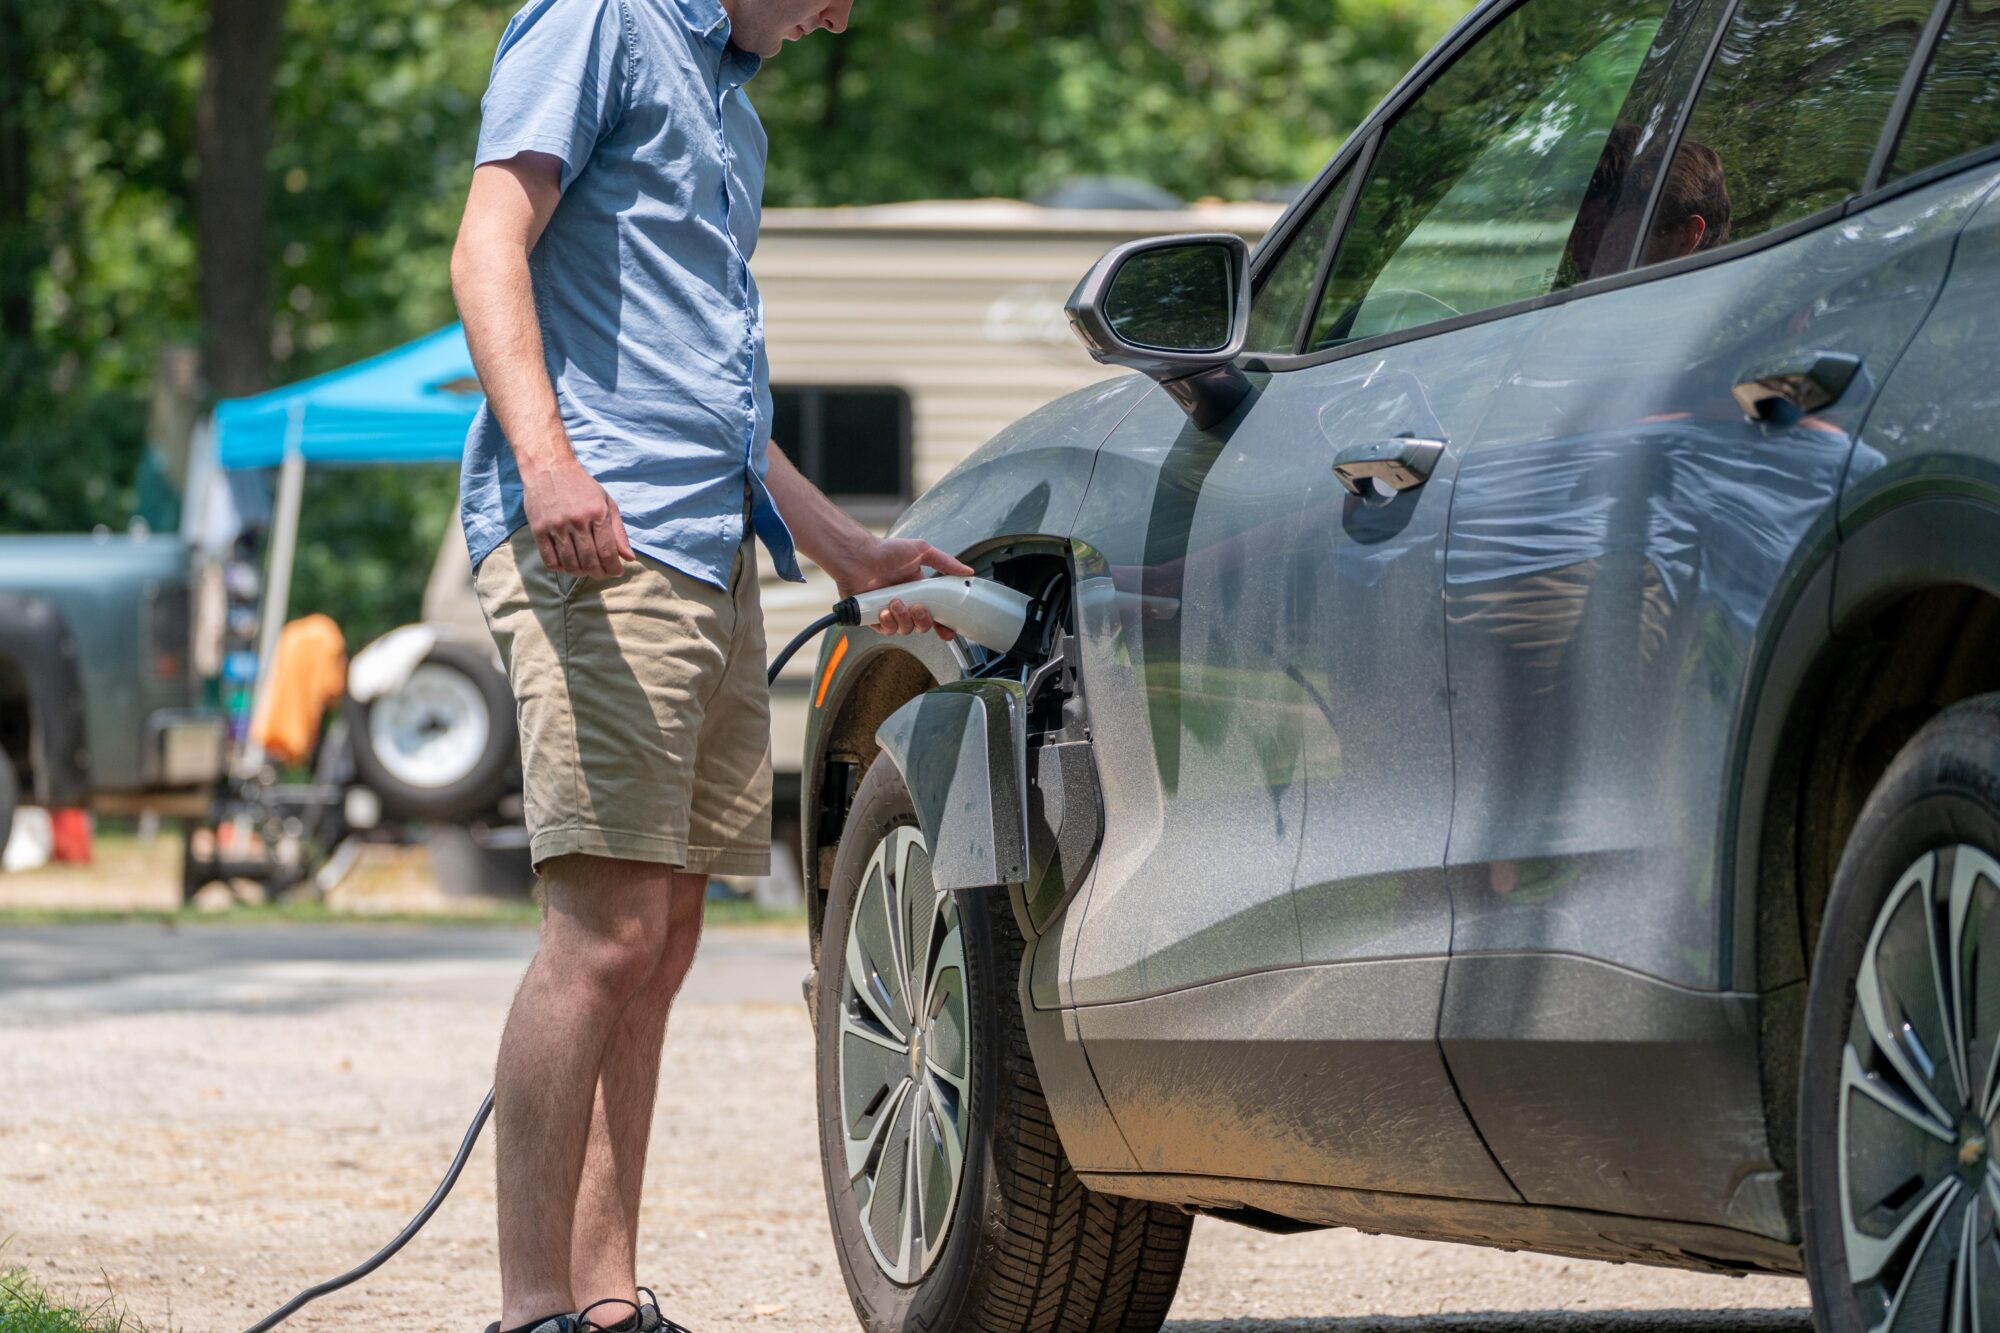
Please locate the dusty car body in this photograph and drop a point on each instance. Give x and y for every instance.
(1448, 856)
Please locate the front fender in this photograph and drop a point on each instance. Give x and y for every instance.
(962, 751)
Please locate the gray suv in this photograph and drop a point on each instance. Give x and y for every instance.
(1512, 754)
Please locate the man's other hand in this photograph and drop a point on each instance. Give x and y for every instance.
(576, 526)
(894, 560)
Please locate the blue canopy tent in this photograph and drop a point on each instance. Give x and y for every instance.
(409, 405)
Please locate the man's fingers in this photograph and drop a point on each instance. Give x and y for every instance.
(945, 564)
(605, 549)
(547, 546)
(569, 554)
(623, 542)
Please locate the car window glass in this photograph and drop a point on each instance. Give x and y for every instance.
(1957, 106)
(1279, 302)
(1787, 120)
(1477, 186)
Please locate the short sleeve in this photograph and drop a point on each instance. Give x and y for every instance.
(559, 84)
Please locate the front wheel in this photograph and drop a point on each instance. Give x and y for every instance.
(1900, 1095)
(953, 1205)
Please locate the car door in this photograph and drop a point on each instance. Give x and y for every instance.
(1643, 508)
(1309, 614)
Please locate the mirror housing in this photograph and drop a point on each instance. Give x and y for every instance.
(1167, 290)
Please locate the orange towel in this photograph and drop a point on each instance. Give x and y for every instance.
(309, 674)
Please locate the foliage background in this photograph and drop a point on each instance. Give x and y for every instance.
(376, 109)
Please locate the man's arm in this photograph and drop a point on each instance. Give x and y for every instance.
(856, 558)
(576, 526)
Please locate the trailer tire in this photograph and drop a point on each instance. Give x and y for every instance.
(440, 745)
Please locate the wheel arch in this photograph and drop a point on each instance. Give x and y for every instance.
(1885, 634)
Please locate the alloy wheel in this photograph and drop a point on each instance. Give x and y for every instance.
(1919, 1093)
(905, 1057)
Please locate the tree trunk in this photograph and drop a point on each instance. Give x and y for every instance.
(232, 202)
(18, 261)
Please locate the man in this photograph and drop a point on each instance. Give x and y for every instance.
(608, 494)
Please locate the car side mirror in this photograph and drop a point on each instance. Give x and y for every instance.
(1175, 308)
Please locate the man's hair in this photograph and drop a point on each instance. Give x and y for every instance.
(1695, 187)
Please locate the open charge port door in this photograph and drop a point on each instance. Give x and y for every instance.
(996, 808)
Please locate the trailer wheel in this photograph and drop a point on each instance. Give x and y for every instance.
(437, 746)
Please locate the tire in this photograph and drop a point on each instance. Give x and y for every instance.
(1022, 1245)
(1898, 1173)
(437, 747)
(10, 798)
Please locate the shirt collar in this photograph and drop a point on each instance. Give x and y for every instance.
(708, 20)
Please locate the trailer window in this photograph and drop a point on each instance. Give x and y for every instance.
(853, 442)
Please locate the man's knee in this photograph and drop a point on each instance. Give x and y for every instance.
(676, 954)
(606, 923)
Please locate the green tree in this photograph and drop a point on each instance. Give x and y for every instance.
(373, 116)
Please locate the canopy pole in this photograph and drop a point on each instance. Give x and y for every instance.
(277, 582)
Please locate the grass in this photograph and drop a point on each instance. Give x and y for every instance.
(720, 911)
(26, 1308)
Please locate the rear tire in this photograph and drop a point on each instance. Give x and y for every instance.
(1025, 1245)
(438, 746)
(1901, 1072)
(10, 798)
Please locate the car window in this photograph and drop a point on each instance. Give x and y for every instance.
(1957, 106)
(1477, 187)
(1787, 120)
(1279, 303)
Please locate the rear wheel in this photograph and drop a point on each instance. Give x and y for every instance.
(1901, 1082)
(953, 1205)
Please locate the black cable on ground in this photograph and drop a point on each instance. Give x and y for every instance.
(383, 1255)
(403, 1237)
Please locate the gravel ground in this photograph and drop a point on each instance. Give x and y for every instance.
(202, 1120)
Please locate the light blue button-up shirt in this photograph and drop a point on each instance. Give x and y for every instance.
(651, 323)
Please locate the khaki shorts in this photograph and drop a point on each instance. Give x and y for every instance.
(645, 720)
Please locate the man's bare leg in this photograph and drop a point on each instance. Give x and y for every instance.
(604, 924)
(604, 1242)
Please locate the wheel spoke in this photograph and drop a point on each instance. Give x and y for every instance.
(861, 1151)
(868, 942)
(913, 1187)
(1947, 965)
(1928, 1268)
(874, 1036)
(939, 1163)
(949, 1125)
(918, 893)
(1963, 1315)
(897, 974)
(887, 1214)
(1855, 1079)
(1900, 1042)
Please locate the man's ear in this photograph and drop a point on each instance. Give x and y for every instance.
(1692, 233)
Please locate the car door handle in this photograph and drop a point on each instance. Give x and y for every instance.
(1399, 463)
(1807, 387)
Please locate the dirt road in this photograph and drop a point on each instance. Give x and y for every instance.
(209, 1118)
